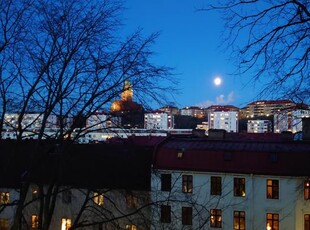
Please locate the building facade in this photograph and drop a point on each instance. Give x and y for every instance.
(158, 120)
(259, 126)
(223, 119)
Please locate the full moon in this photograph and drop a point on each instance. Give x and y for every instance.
(217, 81)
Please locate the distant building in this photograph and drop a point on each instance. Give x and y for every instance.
(100, 121)
(290, 119)
(158, 120)
(259, 126)
(223, 118)
(131, 113)
(193, 111)
(264, 108)
(170, 110)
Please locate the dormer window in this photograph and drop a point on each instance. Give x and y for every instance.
(180, 154)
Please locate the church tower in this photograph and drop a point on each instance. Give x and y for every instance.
(127, 93)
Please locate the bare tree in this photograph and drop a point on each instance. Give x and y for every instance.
(270, 42)
(68, 58)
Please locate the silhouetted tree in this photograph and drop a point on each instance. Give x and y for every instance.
(270, 42)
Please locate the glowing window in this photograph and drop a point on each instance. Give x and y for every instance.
(272, 221)
(98, 198)
(307, 189)
(239, 187)
(34, 222)
(131, 227)
(216, 218)
(65, 224)
(272, 189)
(239, 220)
(4, 197)
(187, 183)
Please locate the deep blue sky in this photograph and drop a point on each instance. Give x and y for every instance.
(190, 42)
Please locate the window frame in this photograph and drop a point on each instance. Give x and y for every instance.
(98, 198)
(34, 221)
(272, 189)
(239, 186)
(4, 197)
(239, 219)
(187, 183)
(165, 214)
(306, 221)
(165, 179)
(187, 215)
(274, 218)
(216, 185)
(216, 215)
(66, 223)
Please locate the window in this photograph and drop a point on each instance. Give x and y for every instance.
(307, 222)
(187, 183)
(98, 198)
(272, 189)
(239, 187)
(65, 224)
(307, 189)
(187, 215)
(4, 224)
(272, 221)
(165, 213)
(4, 197)
(34, 222)
(216, 185)
(165, 182)
(131, 200)
(66, 196)
(239, 220)
(35, 192)
(216, 218)
(131, 227)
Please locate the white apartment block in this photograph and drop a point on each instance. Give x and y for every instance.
(227, 120)
(30, 121)
(158, 121)
(259, 126)
(290, 120)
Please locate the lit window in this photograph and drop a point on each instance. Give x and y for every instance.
(131, 227)
(165, 213)
(216, 185)
(239, 187)
(98, 198)
(34, 222)
(216, 218)
(272, 221)
(187, 183)
(272, 189)
(4, 197)
(65, 224)
(131, 200)
(187, 215)
(307, 222)
(239, 220)
(307, 189)
(4, 224)
(66, 196)
(165, 182)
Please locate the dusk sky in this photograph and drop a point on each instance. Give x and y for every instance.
(190, 42)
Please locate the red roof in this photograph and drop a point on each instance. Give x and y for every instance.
(244, 156)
